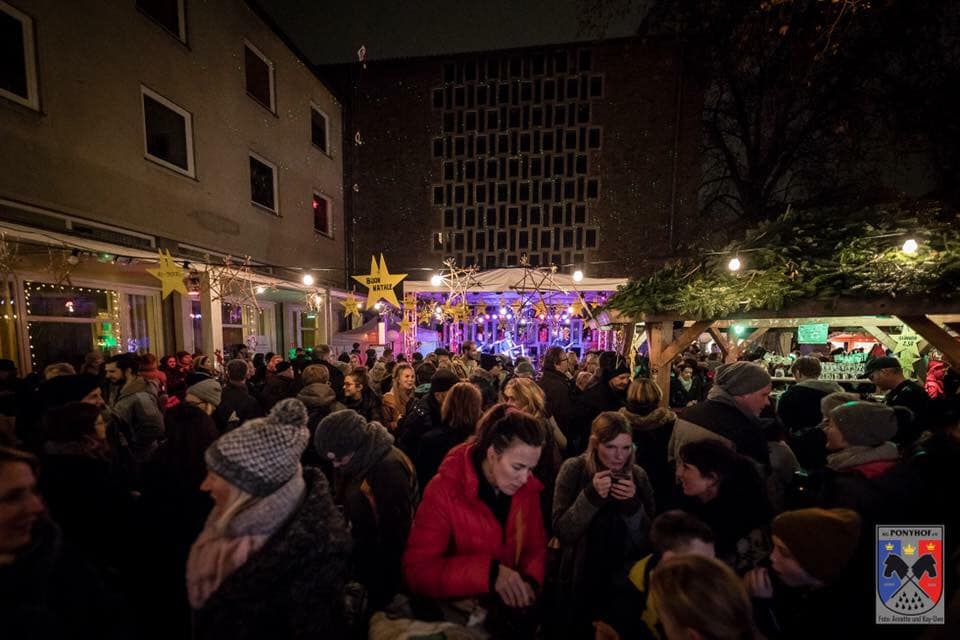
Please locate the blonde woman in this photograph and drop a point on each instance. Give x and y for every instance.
(602, 509)
(699, 597)
(273, 523)
(396, 400)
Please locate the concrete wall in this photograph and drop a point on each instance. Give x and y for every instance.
(83, 153)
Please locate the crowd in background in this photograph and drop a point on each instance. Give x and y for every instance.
(460, 495)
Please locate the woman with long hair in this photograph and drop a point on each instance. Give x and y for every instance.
(460, 413)
(652, 426)
(602, 511)
(358, 394)
(478, 531)
(725, 490)
(396, 400)
(699, 597)
(273, 556)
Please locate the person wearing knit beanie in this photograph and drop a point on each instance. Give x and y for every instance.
(861, 424)
(205, 394)
(741, 378)
(378, 486)
(813, 547)
(443, 380)
(263, 454)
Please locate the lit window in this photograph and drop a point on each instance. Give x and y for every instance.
(321, 214)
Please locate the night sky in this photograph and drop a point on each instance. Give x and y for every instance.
(330, 33)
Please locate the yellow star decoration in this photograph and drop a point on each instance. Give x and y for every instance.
(576, 309)
(540, 309)
(425, 316)
(517, 306)
(350, 306)
(169, 275)
(409, 302)
(405, 326)
(380, 283)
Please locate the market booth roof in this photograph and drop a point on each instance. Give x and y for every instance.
(520, 280)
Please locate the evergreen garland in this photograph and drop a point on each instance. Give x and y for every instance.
(820, 255)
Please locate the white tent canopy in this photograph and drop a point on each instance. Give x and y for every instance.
(520, 280)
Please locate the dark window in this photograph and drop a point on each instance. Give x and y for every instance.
(591, 239)
(167, 13)
(321, 214)
(538, 64)
(438, 98)
(481, 193)
(580, 214)
(470, 124)
(513, 216)
(534, 215)
(18, 80)
(593, 188)
(479, 240)
(594, 138)
(318, 129)
(560, 62)
(481, 95)
(586, 60)
(572, 84)
(583, 113)
(549, 90)
(545, 239)
(481, 145)
(469, 218)
(567, 238)
(438, 195)
(168, 131)
(263, 184)
(438, 147)
(259, 76)
(596, 86)
(449, 72)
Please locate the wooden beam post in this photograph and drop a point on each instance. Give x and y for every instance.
(881, 335)
(721, 341)
(688, 335)
(937, 336)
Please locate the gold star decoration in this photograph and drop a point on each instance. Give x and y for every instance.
(517, 306)
(576, 309)
(350, 306)
(380, 283)
(425, 316)
(409, 302)
(540, 309)
(169, 275)
(405, 326)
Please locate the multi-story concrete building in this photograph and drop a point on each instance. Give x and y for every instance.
(128, 127)
(585, 156)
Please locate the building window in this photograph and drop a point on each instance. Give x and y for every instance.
(321, 214)
(18, 60)
(169, 14)
(167, 133)
(318, 129)
(258, 74)
(263, 183)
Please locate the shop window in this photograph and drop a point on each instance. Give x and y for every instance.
(311, 329)
(169, 14)
(319, 126)
(64, 323)
(321, 215)
(258, 76)
(167, 132)
(141, 323)
(263, 183)
(196, 320)
(18, 71)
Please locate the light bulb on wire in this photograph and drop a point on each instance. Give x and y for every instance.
(910, 247)
(436, 280)
(734, 264)
(307, 279)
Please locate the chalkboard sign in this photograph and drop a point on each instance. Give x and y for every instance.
(812, 333)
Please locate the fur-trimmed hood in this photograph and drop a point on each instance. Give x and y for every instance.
(656, 419)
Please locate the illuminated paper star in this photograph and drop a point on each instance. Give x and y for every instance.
(409, 302)
(169, 275)
(539, 308)
(425, 316)
(576, 309)
(405, 326)
(380, 283)
(517, 306)
(350, 306)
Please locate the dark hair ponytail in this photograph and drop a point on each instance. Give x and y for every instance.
(502, 424)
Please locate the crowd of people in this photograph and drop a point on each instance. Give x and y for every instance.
(459, 495)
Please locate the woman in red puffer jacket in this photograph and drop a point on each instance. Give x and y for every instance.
(479, 529)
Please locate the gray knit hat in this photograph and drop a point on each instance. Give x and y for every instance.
(263, 454)
(208, 390)
(741, 378)
(340, 434)
(866, 424)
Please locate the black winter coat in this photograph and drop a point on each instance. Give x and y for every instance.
(370, 405)
(591, 403)
(556, 387)
(236, 407)
(276, 388)
(293, 586)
